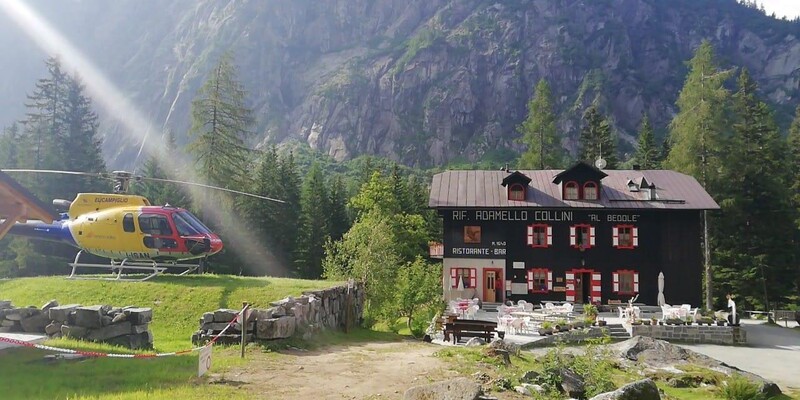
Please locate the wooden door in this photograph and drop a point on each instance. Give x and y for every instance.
(578, 288)
(490, 280)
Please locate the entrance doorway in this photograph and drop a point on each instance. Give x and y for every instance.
(492, 286)
(583, 286)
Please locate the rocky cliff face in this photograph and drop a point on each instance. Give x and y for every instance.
(425, 82)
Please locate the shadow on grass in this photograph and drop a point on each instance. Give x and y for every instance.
(89, 377)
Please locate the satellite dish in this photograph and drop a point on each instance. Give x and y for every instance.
(600, 163)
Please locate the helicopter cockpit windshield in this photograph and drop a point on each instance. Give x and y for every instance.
(188, 225)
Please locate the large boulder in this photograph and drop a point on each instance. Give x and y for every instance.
(456, 389)
(644, 389)
(654, 351)
(572, 383)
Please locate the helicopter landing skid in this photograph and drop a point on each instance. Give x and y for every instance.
(151, 268)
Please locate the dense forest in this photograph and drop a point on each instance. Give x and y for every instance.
(367, 218)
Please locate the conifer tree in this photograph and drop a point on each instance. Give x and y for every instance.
(647, 154)
(697, 134)
(314, 224)
(80, 149)
(339, 220)
(221, 124)
(539, 132)
(10, 146)
(596, 139)
(793, 165)
(756, 263)
(162, 192)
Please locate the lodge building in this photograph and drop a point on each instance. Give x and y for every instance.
(579, 235)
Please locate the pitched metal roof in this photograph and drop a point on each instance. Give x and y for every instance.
(483, 189)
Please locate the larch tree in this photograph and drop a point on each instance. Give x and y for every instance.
(647, 154)
(597, 140)
(221, 126)
(697, 134)
(539, 132)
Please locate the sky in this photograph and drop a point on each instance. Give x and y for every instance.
(789, 8)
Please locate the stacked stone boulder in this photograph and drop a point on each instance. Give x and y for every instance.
(335, 308)
(128, 326)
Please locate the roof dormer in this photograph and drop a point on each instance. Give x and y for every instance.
(517, 185)
(580, 182)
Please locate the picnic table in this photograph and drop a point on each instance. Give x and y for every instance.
(469, 328)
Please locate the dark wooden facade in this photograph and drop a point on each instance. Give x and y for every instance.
(664, 234)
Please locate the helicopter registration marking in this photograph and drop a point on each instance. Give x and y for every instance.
(136, 255)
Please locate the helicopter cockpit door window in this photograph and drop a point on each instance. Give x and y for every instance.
(127, 223)
(158, 231)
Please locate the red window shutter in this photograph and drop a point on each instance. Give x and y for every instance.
(635, 234)
(616, 282)
(549, 280)
(615, 236)
(570, 283)
(636, 282)
(591, 236)
(453, 281)
(597, 289)
(530, 235)
(473, 278)
(549, 235)
(572, 240)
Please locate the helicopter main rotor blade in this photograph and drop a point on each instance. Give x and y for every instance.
(54, 171)
(211, 187)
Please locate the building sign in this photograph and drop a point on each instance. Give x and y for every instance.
(496, 248)
(559, 288)
(538, 216)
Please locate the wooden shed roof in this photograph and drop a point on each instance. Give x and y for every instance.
(483, 189)
(19, 203)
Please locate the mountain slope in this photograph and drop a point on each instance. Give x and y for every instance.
(423, 82)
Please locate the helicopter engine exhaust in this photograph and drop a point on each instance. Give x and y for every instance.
(61, 204)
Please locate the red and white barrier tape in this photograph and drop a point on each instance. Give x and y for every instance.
(115, 355)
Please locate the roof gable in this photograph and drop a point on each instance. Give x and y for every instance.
(516, 177)
(580, 169)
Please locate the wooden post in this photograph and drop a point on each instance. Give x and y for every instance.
(245, 309)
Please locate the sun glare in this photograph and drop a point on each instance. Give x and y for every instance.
(133, 124)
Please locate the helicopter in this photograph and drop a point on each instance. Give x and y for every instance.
(135, 235)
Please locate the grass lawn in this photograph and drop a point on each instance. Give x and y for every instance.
(177, 303)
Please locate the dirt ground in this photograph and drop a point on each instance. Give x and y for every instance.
(363, 371)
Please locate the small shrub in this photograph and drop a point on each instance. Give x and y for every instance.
(738, 387)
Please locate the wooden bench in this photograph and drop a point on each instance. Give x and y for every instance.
(469, 328)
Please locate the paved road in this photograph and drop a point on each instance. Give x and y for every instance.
(772, 352)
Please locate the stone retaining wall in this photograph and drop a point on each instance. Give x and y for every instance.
(334, 308)
(693, 333)
(127, 326)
